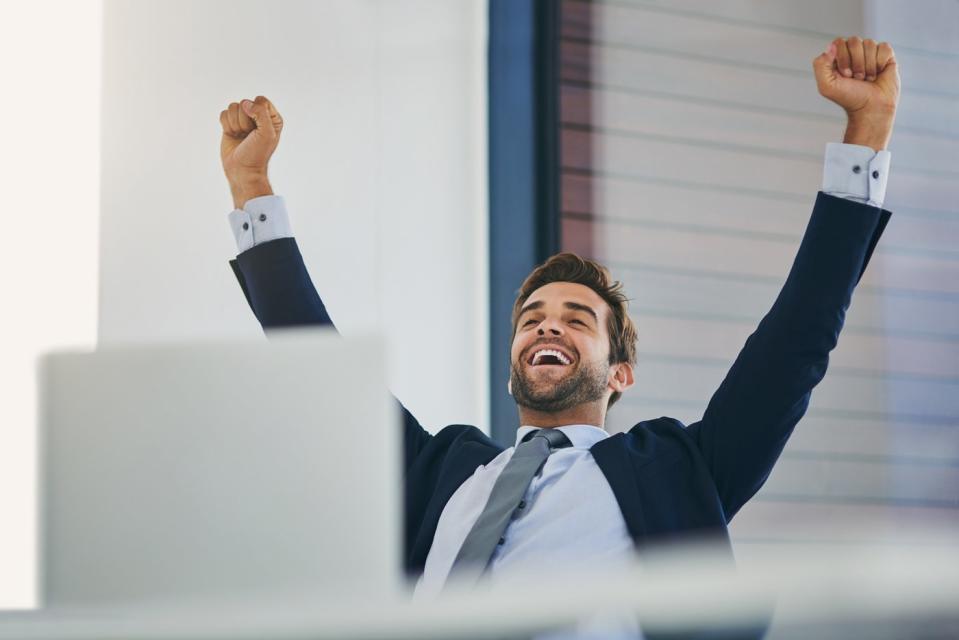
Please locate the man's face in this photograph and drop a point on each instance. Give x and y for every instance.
(560, 353)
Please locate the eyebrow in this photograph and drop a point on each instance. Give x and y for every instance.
(569, 305)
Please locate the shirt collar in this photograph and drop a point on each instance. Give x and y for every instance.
(583, 436)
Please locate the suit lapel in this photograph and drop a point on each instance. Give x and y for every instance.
(613, 456)
(460, 465)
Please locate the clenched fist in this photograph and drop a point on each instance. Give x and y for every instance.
(862, 77)
(251, 133)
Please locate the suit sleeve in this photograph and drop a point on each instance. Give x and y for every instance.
(767, 389)
(281, 294)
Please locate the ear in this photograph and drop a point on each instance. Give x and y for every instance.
(509, 386)
(621, 376)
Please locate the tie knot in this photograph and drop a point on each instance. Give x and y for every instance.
(556, 438)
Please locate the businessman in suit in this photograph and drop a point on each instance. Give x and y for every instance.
(586, 494)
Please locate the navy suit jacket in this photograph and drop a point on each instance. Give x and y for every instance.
(669, 479)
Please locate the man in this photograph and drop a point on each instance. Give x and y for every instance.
(473, 507)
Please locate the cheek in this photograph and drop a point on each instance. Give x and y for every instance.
(515, 350)
(592, 350)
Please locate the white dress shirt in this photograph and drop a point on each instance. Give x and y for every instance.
(856, 172)
(570, 510)
(568, 506)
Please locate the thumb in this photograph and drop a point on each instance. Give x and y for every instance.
(259, 111)
(824, 65)
(889, 68)
(888, 78)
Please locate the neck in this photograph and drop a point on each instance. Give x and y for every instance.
(592, 414)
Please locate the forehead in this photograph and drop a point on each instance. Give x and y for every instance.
(556, 293)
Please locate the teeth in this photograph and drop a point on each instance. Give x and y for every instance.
(550, 352)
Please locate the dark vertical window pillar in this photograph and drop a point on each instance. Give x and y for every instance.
(523, 172)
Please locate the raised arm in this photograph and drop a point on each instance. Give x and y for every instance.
(768, 387)
(272, 274)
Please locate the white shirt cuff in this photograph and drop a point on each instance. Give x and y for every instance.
(856, 172)
(260, 220)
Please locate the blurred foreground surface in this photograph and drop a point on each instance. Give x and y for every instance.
(881, 592)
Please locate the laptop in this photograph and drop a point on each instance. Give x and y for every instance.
(202, 470)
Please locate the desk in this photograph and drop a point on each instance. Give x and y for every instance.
(892, 588)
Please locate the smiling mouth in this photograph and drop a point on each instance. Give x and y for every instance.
(549, 358)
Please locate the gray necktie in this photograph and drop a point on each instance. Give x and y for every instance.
(508, 490)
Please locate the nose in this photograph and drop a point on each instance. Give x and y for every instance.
(550, 325)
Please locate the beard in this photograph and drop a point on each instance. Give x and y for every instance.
(588, 383)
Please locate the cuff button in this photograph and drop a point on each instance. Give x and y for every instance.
(246, 225)
(856, 169)
(875, 174)
(262, 217)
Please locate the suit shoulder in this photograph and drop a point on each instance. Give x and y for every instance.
(663, 425)
(458, 443)
(463, 433)
(660, 437)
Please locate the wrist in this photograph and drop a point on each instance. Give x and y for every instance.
(869, 130)
(246, 188)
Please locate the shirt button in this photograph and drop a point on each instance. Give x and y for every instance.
(262, 217)
(501, 541)
(856, 169)
(246, 225)
(522, 504)
(875, 174)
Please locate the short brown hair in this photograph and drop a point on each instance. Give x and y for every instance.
(569, 267)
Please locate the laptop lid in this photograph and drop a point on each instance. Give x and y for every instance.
(216, 469)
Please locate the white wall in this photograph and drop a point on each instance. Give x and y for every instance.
(49, 104)
(382, 163)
